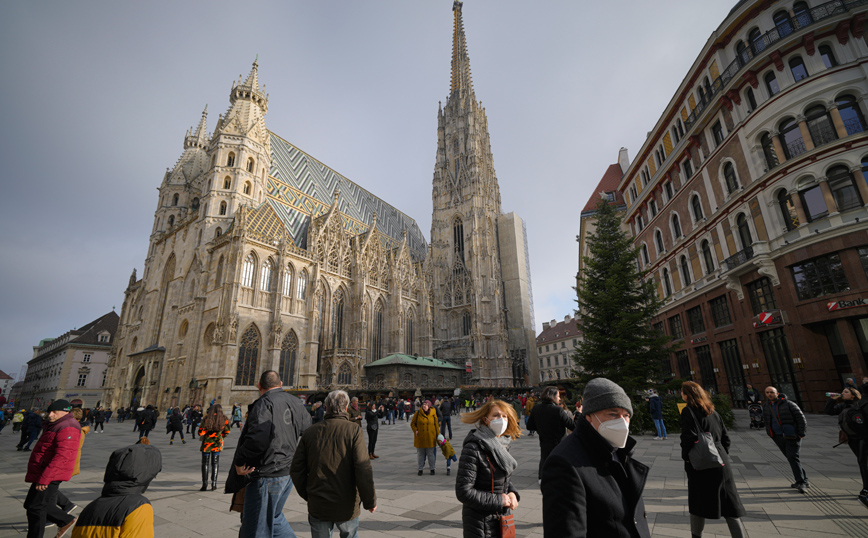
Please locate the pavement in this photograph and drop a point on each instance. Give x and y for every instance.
(412, 506)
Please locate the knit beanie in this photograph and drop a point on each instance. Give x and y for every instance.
(600, 394)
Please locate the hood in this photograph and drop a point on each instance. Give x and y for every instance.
(131, 469)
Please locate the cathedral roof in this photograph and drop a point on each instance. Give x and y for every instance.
(410, 360)
(301, 187)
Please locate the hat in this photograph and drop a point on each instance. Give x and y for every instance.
(59, 405)
(600, 394)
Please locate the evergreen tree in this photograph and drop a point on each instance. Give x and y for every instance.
(616, 304)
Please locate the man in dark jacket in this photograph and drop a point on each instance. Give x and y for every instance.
(591, 484)
(99, 420)
(786, 425)
(268, 440)
(146, 421)
(446, 416)
(332, 473)
(551, 422)
(30, 428)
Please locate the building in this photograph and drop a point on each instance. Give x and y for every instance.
(556, 345)
(263, 257)
(72, 366)
(6, 382)
(748, 203)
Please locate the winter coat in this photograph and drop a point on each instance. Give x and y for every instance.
(176, 423)
(448, 451)
(212, 441)
(372, 418)
(99, 416)
(331, 470)
(32, 423)
(17, 417)
(473, 488)
(77, 469)
(711, 493)
(53, 458)
(588, 494)
(655, 406)
(355, 415)
(551, 423)
(842, 416)
(788, 415)
(426, 428)
(147, 419)
(122, 510)
(446, 407)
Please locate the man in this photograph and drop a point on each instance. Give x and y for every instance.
(446, 416)
(753, 395)
(275, 422)
(146, 421)
(786, 425)
(551, 421)
(355, 413)
(591, 484)
(332, 473)
(864, 388)
(51, 462)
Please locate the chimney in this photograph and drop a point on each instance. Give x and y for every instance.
(553, 322)
(546, 325)
(623, 160)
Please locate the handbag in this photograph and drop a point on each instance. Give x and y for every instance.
(704, 454)
(507, 521)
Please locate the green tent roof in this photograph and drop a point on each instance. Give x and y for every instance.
(397, 358)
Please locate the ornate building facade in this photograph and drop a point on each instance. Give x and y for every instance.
(263, 257)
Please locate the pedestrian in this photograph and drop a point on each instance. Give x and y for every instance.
(483, 483)
(856, 439)
(30, 429)
(425, 430)
(17, 419)
(446, 416)
(99, 420)
(176, 425)
(121, 509)
(236, 415)
(51, 462)
(354, 412)
(146, 421)
(591, 485)
(528, 409)
(318, 412)
(753, 395)
(786, 425)
(408, 409)
(330, 471)
(448, 452)
(863, 389)
(372, 418)
(195, 419)
(655, 406)
(551, 422)
(711, 493)
(213, 430)
(275, 422)
(63, 501)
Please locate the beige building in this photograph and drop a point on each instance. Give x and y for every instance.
(556, 345)
(263, 257)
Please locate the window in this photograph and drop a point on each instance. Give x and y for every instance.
(640, 223)
(720, 311)
(250, 165)
(667, 189)
(458, 238)
(247, 187)
(743, 53)
(743, 231)
(820, 276)
(247, 271)
(653, 205)
(676, 226)
(797, 68)
(843, 189)
(658, 238)
(301, 289)
(680, 128)
(791, 138)
(227, 182)
(345, 375)
(86, 357)
(466, 324)
(769, 151)
(696, 204)
(408, 335)
(82, 380)
(772, 83)
(717, 133)
(783, 24)
(683, 362)
(706, 369)
(218, 232)
(563, 345)
(265, 280)
(230, 160)
(729, 178)
(687, 167)
(685, 271)
(695, 321)
(548, 361)
(675, 327)
(754, 37)
(557, 359)
(287, 359)
(788, 210)
(171, 220)
(104, 375)
(248, 355)
(863, 257)
(645, 257)
(801, 15)
(338, 320)
(751, 100)
(377, 336)
(813, 203)
(103, 338)
(175, 199)
(706, 255)
(851, 114)
(222, 208)
(827, 56)
(762, 297)
(287, 282)
(674, 133)
(667, 283)
(820, 125)
(865, 168)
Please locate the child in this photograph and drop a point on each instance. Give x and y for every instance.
(448, 451)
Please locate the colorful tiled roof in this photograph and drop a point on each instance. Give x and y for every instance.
(609, 183)
(398, 358)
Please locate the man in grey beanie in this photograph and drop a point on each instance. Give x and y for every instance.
(591, 484)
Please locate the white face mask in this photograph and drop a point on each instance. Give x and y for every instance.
(614, 431)
(497, 425)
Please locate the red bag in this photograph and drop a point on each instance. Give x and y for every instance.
(507, 521)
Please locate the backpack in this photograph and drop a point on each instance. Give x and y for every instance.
(854, 422)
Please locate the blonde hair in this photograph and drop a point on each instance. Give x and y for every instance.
(512, 428)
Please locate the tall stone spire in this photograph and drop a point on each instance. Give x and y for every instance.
(199, 137)
(461, 80)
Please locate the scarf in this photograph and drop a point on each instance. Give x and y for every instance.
(496, 446)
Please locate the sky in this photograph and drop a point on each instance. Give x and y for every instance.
(97, 98)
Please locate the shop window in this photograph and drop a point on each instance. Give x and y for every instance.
(694, 320)
(675, 327)
(819, 276)
(720, 311)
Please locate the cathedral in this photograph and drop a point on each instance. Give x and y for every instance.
(262, 257)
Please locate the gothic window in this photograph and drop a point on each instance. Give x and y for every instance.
(265, 281)
(250, 165)
(248, 355)
(377, 333)
(729, 178)
(171, 220)
(408, 335)
(338, 320)
(696, 204)
(247, 271)
(706, 255)
(227, 182)
(788, 210)
(465, 324)
(175, 199)
(685, 271)
(828, 56)
(218, 233)
(222, 208)
(182, 332)
(751, 99)
(667, 283)
(301, 289)
(458, 238)
(645, 257)
(230, 160)
(797, 68)
(455, 146)
(743, 231)
(287, 359)
(287, 282)
(771, 83)
(333, 263)
(208, 335)
(791, 138)
(247, 188)
(345, 375)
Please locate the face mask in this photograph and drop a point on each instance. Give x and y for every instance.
(498, 426)
(614, 431)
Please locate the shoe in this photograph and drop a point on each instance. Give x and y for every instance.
(183, 442)
(71, 508)
(796, 485)
(802, 487)
(26, 450)
(420, 472)
(61, 532)
(448, 471)
(370, 456)
(171, 442)
(49, 525)
(19, 449)
(376, 457)
(658, 438)
(213, 487)
(432, 471)
(863, 499)
(204, 487)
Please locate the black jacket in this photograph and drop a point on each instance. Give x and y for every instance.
(176, 423)
(473, 488)
(372, 418)
(711, 493)
(588, 494)
(147, 419)
(551, 423)
(788, 415)
(446, 407)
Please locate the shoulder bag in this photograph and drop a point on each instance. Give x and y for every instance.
(704, 454)
(507, 521)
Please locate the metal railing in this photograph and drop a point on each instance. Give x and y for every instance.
(796, 148)
(738, 258)
(822, 134)
(854, 126)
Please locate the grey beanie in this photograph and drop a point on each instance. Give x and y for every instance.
(600, 394)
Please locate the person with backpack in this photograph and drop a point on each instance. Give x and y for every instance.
(786, 425)
(236, 416)
(853, 421)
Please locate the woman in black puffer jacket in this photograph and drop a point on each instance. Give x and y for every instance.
(483, 483)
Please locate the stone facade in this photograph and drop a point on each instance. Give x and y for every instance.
(556, 345)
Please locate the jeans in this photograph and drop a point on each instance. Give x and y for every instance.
(661, 428)
(143, 432)
(262, 515)
(422, 454)
(790, 449)
(446, 421)
(323, 529)
(41, 506)
(390, 417)
(98, 426)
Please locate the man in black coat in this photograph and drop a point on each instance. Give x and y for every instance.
(786, 425)
(550, 421)
(591, 484)
(146, 421)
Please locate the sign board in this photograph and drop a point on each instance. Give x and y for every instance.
(681, 407)
(841, 305)
(770, 318)
(699, 339)
(468, 367)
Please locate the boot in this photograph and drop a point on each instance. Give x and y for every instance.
(215, 465)
(205, 456)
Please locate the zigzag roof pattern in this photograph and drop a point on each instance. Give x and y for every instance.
(301, 188)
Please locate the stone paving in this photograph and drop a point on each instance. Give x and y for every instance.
(414, 506)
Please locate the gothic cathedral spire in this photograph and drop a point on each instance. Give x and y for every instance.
(461, 80)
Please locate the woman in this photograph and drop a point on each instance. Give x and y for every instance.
(212, 431)
(852, 398)
(176, 425)
(425, 428)
(711, 493)
(371, 417)
(236, 415)
(483, 483)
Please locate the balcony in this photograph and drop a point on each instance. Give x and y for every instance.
(822, 134)
(796, 148)
(738, 258)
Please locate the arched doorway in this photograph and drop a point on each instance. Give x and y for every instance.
(137, 388)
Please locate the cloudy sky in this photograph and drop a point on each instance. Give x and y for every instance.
(97, 97)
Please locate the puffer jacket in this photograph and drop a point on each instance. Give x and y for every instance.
(77, 469)
(473, 488)
(53, 458)
(788, 415)
(425, 428)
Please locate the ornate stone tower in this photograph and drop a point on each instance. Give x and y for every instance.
(467, 287)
